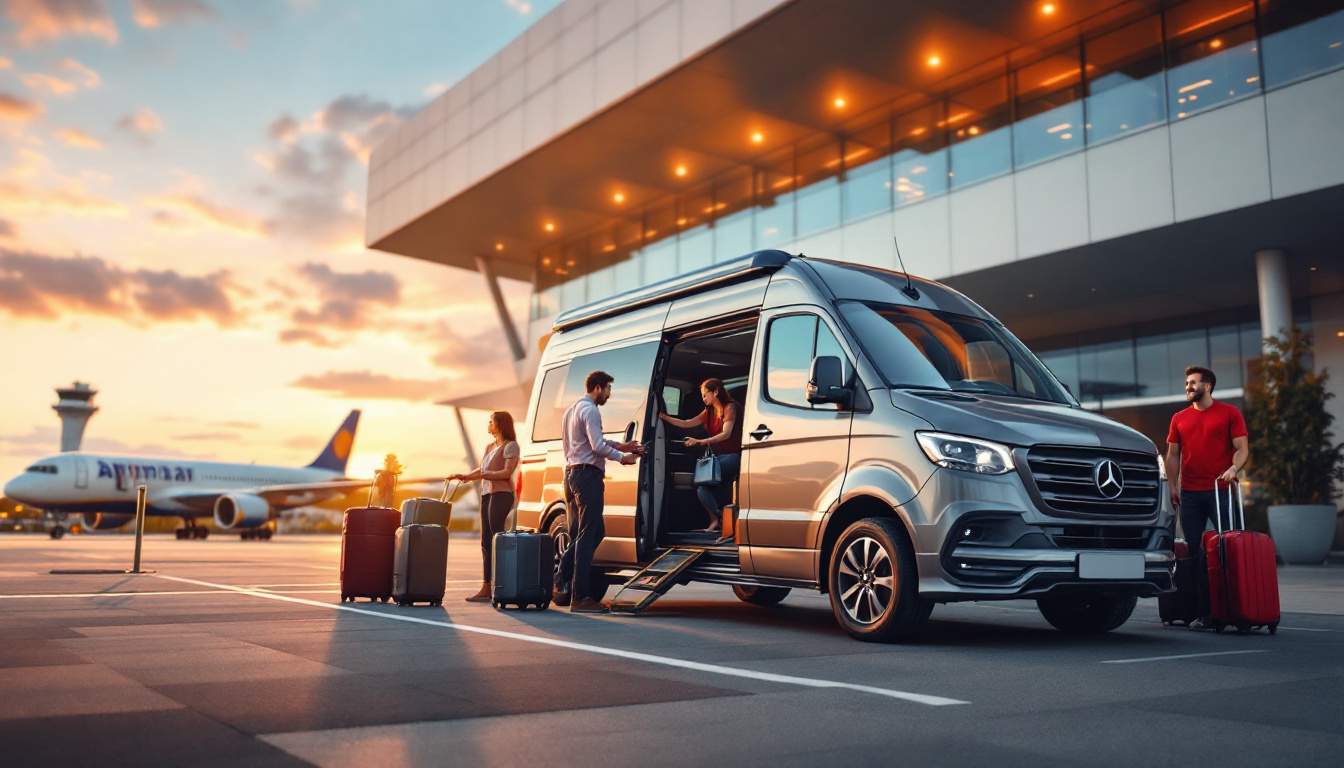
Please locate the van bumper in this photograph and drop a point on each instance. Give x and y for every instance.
(983, 538)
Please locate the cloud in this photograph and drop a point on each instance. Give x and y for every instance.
(142, 123)
(283, 128)
(435, 90)
(189, 211)
(7, 230)
(522, 7)
(74, 137)
(316, 217)
(39, 285)
(306, 336)
(346, 299)
(16, 109)
(207, 436)
(152, 14)
(370, 385)
(87, 77)
(465, 355)
(69, 199)
(37, 81)
(6, 63)
(40, 21)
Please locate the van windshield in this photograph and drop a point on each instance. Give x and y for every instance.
(926, 349)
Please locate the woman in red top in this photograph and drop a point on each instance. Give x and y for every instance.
(722, 418)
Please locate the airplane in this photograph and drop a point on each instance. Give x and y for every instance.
(101, 488)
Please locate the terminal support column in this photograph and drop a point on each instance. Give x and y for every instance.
(510, 331)
(1276, 300)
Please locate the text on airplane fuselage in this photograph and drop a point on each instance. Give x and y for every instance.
(124, 473)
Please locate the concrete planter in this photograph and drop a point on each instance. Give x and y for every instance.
(1302, 532)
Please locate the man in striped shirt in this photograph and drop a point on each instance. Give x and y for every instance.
(586, 452)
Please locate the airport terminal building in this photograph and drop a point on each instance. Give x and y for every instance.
(1132, 187)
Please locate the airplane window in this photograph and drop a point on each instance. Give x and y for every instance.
(46, 469)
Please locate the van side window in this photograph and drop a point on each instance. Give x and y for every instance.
(551, 405)
(792, 343)
(632, 369)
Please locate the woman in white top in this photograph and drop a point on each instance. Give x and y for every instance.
(496, 475)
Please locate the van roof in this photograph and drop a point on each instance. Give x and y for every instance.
(843, 280)
(744, 268)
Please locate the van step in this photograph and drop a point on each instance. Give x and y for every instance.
(654, 580)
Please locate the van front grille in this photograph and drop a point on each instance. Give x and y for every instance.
(1066, 479)
(1100, 537)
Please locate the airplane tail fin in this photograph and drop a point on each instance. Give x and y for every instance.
(337, 452)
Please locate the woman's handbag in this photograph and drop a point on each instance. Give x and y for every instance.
(707, 470)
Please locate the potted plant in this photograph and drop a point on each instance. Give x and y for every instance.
(1293, 457)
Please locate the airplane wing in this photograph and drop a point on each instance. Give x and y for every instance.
(295, 494)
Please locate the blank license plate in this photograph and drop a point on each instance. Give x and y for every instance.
(1110, 565)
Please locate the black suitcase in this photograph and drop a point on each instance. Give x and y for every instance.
(1183, 604)
(523, 569)
(420, 566)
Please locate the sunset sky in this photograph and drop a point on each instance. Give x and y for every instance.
(182, 187)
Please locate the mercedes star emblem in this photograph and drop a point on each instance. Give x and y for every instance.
(1109, 478)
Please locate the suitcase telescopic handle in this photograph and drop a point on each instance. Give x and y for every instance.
(448, 490)
(1218, 510)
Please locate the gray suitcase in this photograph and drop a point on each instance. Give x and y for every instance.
(423, 511)
(523, 570)
(420, 565)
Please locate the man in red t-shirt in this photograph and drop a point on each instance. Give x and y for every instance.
(1206, 445)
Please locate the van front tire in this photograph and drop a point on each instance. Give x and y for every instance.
(874, 584)
(765, 596)
(1087, 613)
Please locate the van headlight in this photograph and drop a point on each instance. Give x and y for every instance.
(1161, 469)
(966, 453)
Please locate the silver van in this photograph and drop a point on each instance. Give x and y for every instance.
(901, 448)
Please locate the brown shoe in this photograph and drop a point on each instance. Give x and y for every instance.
(482, 596)
(587, 605)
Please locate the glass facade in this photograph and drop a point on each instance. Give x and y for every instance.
(1121, 75)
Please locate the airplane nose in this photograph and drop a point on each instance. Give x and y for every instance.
(15, 488)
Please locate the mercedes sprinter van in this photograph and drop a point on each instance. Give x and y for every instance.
(900, 448)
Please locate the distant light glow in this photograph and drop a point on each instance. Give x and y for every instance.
(549, 226)
(499, 246)
(680, 170)
(839, 102)
(618, 198)
(934, 60)
(1048, 9)
(757, 137)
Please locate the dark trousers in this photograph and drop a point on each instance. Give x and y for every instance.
(584, 491)
(713, 497)
(1197, 511)
(495, 508)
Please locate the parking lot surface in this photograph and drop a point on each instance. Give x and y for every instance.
(242, 653)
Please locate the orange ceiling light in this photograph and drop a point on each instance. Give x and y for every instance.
(1216, 43)
(757, 137)
(680, 170)
(549, 226)
(618, 197)
(933, 61)
(1048, 9)
(499, 246)
(839, 102)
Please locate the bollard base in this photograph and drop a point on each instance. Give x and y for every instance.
(95, 571)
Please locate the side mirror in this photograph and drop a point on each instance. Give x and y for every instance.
(825, 383)
(629, 431)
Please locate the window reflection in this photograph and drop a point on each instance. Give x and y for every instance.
(1125, 80)
(1212, 54)
(1302, 38)
(867, 186)
(732, 236)
(1049, 107)
(977, 126)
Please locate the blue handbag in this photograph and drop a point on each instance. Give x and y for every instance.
(707, 469)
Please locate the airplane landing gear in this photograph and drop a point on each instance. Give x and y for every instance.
(259, 534)
(192, 531)
(57, 531)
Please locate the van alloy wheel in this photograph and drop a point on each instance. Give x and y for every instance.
(864, 580)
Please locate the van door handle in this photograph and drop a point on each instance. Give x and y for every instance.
(761, 432)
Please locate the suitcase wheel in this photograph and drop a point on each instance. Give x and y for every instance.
(1219, 627)
(1273, 629)
(1243, 629)
(545, 605)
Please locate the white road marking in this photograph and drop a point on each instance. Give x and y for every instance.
(211, 592)
(1178, 656)
(667, 661)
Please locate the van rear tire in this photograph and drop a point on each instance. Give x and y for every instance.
(764, 596)
(874, 583)
(1087, 613)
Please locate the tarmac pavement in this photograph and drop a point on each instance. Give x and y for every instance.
(241, 653)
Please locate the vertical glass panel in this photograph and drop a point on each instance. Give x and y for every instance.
(866, 188)
(788, 357)
(774, 223)
(695, 249)
(550, 274)
(1064, 364)
(551, 404)
(919, 164)
(573, 266)
(775, 181)
(695, 209)
(1049, 108)
(1125, 82)
(660, 261)
(1212, 53)
(602, 284)
(548, 301)
(1154, 365)
(818, 197)
(1184, 349)
(977, 126)
(627, 277)
(1301, 38)
(1225, 356)
(1106, 371)
(733, 192)
(732, 236)
(1251, 344)
(632, 370)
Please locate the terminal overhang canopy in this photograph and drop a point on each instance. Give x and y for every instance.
(779, 78)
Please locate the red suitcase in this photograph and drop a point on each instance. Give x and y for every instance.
(1243, 576)
(368, 547)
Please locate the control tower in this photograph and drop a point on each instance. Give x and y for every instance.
(75, 408)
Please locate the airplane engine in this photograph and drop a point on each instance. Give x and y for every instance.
(241, 510)
(101, 521)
